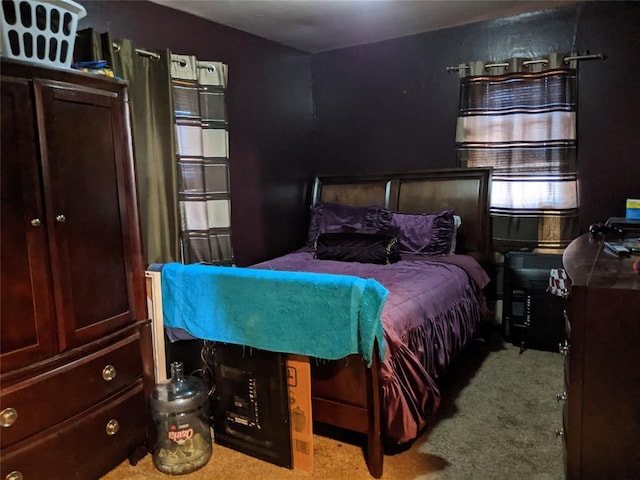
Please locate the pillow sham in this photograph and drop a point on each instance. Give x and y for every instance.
(425, 233)
(334, 217)
(357, 247)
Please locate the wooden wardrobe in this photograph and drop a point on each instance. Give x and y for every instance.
(76, 363)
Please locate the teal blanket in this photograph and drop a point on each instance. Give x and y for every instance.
(315, 314)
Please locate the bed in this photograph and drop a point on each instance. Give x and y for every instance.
(422, 296)
(434, 308)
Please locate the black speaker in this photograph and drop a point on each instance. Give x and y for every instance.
(532, 317)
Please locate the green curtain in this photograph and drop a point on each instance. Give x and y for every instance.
(150, 96)
(151, 103)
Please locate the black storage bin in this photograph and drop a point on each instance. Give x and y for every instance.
(532, 317)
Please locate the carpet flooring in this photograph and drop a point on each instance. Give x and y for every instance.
(496, 421)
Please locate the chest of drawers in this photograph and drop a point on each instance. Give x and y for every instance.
(601, 411)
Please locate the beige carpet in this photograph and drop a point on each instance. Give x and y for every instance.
(496, 422)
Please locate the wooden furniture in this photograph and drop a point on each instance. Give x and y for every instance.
(347, 394)
(76, 358)
(601, 410)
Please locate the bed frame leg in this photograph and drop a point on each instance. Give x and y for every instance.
(375, 451)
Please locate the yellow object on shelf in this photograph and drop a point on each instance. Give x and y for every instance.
(98, 71)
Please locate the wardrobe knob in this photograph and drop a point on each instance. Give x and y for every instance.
(36, 222)
(559, 432)
(61, 218)
(112, 427)
(109, 373)
(561, 397)
(8, 416)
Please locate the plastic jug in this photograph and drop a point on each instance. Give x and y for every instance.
(180, 409)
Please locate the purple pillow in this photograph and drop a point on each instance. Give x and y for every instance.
(425, 233)
(337, 218)
(357, 247)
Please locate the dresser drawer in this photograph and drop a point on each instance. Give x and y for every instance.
(85, 447)
(54, 396)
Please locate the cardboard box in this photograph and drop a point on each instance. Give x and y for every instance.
(154, 305)
(633, 209)
(300, 419)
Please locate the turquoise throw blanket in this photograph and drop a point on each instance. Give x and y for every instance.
(315, 314)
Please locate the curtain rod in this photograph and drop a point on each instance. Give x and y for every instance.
(597, 56)
(183, 63)
(156, 56)
(139, 51)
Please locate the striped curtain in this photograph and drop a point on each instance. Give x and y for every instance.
(519, 117)
(202, 144)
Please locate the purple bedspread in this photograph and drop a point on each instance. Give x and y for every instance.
(434, 308)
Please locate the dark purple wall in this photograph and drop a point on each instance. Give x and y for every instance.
(609, 110)
(270, 117)
(391, 106)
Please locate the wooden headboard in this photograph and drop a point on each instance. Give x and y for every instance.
(466, 190)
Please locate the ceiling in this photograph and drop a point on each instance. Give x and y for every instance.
(319, 25)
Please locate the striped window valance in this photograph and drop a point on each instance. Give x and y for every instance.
(523, 124)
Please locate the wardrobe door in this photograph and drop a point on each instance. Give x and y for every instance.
(86, 164)
(27, 324)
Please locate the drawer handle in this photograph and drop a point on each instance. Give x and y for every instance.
(561, 397)
(564, 348)
(9, 416)
(14, 476)
(109, 373)
(112, 427)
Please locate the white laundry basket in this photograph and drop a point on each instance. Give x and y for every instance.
(40, 31)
